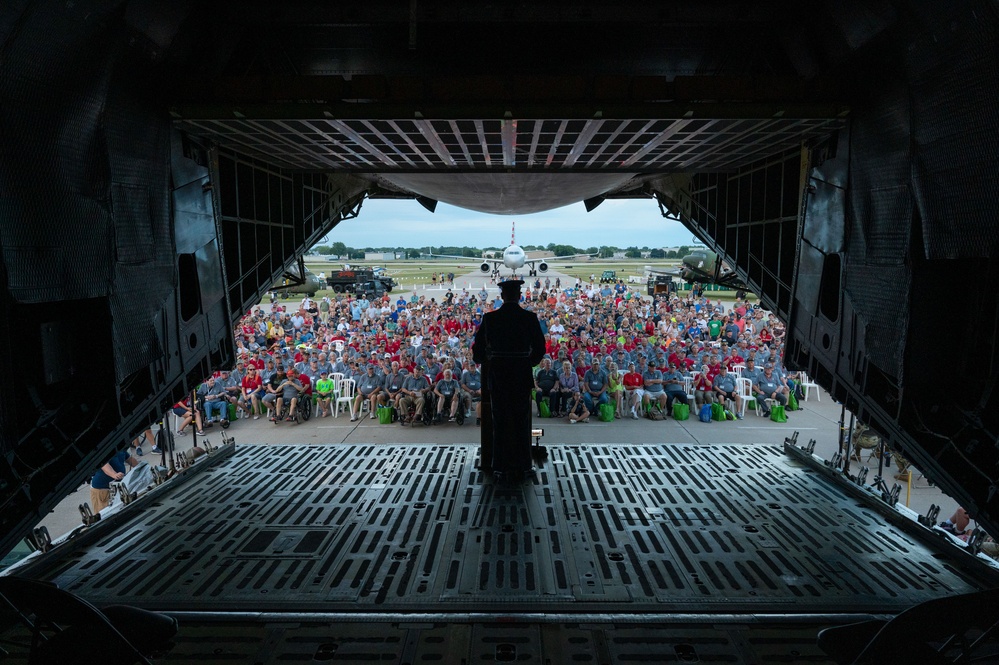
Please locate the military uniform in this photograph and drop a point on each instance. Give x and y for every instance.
(508, 343)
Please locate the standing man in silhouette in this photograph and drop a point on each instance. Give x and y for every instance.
(508, 343)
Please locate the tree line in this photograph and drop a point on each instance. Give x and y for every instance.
(603, 252)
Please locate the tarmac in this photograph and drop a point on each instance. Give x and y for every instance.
(819, 419)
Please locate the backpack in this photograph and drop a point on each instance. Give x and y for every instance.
(704, 415)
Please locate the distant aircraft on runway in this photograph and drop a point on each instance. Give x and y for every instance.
(705, 267)
(514, 258)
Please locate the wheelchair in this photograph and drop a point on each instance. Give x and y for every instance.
(303, 409)
(459, 416)
(427, 416)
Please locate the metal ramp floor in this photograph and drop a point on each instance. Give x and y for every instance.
(403, 550)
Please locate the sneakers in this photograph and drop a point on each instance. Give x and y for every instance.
(256, 417)
(353, 419)
(138, 451)
(371, 416)
(738, 416)
(180, 432)
(572, 422)
(156, 450)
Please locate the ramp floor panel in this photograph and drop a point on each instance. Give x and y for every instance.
(601, 529)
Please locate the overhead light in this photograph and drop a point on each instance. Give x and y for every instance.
(427, 202)
(592, 203)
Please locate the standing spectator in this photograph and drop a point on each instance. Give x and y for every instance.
(100, 484)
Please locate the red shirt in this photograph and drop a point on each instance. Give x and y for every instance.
(251, 383)
(633, 380)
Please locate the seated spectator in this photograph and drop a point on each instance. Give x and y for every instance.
(673, 387)
(447, 391)
(252, 388)
(577, 408)
(213, 395)
(751, 371)
(545, 384)
(634, 386)
(392, 386)
(568, 384)
(368, 388)
(324, 392)
(183, 410)
(957, 524)
(272, 387)
(655, 392)
(415, 389)
(286, 394)
(471, 390)
(703, 389)
(768, 387)
(595, 384)
(724, 388)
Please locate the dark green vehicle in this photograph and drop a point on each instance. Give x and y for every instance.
(608, 277)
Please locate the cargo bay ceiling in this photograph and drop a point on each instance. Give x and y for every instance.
(163, 163)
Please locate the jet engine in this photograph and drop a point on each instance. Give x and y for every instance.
(542, 267)
(485, 267)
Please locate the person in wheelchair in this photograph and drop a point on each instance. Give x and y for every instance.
(289, 392)
(471, 390)
(415, 389)
(446, 391)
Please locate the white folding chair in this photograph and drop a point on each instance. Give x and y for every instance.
(688, 387)
(345, 396)
(807, 383)
(737, 370)
(744, 388)
(336, 378)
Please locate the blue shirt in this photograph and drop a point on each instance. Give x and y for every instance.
(101, 480)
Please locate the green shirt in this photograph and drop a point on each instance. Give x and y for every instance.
(324, 386)
(714, 328)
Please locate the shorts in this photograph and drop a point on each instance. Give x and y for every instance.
(180, 411)
(730, 396)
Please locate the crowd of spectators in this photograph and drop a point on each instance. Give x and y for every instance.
(605, 344)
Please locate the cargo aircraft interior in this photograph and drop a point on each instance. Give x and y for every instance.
(164, 163)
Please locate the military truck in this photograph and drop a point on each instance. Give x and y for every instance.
(661, 284)
(348, 281)
(608, 277)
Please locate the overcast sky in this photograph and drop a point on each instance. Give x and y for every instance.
(622, 223)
